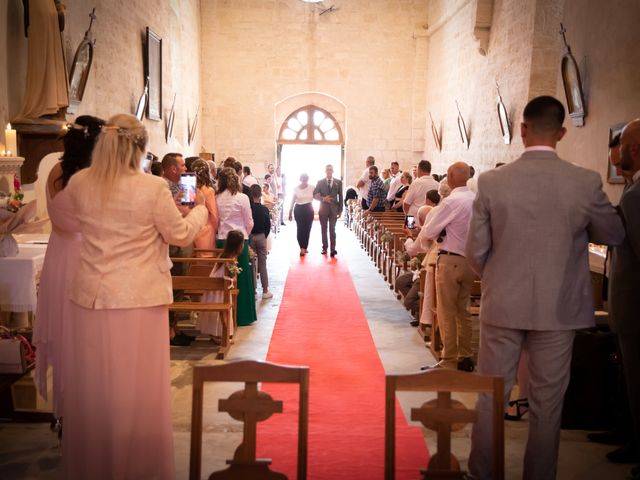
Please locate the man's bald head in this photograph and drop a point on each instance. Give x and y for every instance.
(630, 147)
(458, 174)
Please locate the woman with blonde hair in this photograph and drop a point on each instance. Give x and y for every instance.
(117, 414)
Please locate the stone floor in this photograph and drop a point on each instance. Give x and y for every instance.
(31, 451)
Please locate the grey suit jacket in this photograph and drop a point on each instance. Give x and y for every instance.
(322, 188)
(528, 239)
(624, 284)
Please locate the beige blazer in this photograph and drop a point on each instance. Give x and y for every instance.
(528, 239)
(124, 261)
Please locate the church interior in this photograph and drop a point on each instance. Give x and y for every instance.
(298, 85)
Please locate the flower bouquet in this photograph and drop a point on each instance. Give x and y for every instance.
(234, 269)
(386, 237)
(13, 215)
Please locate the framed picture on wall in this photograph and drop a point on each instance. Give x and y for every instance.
(153, 72)
(612, 176)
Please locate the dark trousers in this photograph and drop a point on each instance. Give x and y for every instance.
(304, 220)
(630, 348)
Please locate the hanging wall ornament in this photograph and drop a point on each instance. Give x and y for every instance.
(437, 138)
(462, 128)
(503, 118)
(572, 84)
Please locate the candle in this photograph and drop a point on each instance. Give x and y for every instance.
(10, 138)
(2, 150)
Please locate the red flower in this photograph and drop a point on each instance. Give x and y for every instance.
(16, 183)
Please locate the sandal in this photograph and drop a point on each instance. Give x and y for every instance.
(522, 407)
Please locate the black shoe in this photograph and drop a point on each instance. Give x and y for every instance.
(179, 341)
(324, 251)
(191, 338)
(608, 438)
(414, 323)
(522, 407)
(466, 364)
(628, 453)
(333, 253)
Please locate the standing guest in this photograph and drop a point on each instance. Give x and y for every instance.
(377, 194)
(417, 193)
(329, 192)
(247, 178)
(235, 214)
(448, 225)
(122, 283)
(386, 179)
(282, 191)
(473, 180)
(209, 322)
(302, 209)
(188, 163)
(156, 169)
(62, 256)
(528, 240)
(237, 167)
(625, 278)
(273, 184)
(401, 192)
(258, 237)
(207, 236)
(394, 184)
(213, 172)
(173, 166)
(364, 182)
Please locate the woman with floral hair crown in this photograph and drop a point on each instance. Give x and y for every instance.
(117, 411)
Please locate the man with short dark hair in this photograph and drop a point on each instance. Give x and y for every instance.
(173, 166)
(395, 181)
(417, 193)
(528, 240)
(329, 192)
(247, 178)
(377, 193)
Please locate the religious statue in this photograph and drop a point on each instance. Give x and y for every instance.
(46, 92)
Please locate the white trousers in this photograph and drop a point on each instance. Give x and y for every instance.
(549, 368)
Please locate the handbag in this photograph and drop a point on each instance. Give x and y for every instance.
(16, 353)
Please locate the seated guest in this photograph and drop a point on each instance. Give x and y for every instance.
(258, 237)
(234, 209)
(209, 322)
(398, 201)
(116, 344)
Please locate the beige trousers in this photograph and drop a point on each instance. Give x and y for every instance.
(453, 286)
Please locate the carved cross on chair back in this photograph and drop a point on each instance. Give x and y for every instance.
(444, 415)
(249, 406)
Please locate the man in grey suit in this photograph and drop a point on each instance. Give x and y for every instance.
(624, 283)
(528, 239)
(329, 192)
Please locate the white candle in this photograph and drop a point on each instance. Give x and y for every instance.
(2, 150)
(10, 138)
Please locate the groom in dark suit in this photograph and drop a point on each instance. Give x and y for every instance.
(329, 192)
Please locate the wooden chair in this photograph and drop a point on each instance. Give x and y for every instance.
(250, 405)
(444, 416)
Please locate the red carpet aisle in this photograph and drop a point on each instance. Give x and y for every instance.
(321, 324)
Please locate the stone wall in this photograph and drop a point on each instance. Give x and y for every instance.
(117, 75)
(366, 55)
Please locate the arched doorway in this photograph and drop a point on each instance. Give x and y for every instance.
(308, 140)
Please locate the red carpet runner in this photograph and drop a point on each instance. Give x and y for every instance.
(321, 324)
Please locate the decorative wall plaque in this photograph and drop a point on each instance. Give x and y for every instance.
(81, 67)
(462, 128)
(153, 72)
(612, 175)
(572, 84)
(436, 135)
(503, 118)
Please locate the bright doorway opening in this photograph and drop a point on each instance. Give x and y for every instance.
(296, 159)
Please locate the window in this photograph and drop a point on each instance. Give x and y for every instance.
(311, 125)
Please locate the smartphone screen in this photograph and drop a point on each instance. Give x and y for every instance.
(188, 187)
(411, 222)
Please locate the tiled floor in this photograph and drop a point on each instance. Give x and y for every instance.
(30, 451)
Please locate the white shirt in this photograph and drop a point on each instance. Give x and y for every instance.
(303, 195)
(417, 193)
(472, 183)
(364, 191)
(235, 214)
(394, 186)
(249, 180)
(453, 215)
(421, 243)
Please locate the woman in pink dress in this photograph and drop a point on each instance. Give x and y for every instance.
(207, 236)
(61, 256)
(117, 410)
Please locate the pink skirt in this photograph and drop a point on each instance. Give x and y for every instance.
(117, 420)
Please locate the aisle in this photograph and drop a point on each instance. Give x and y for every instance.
(321, 324)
